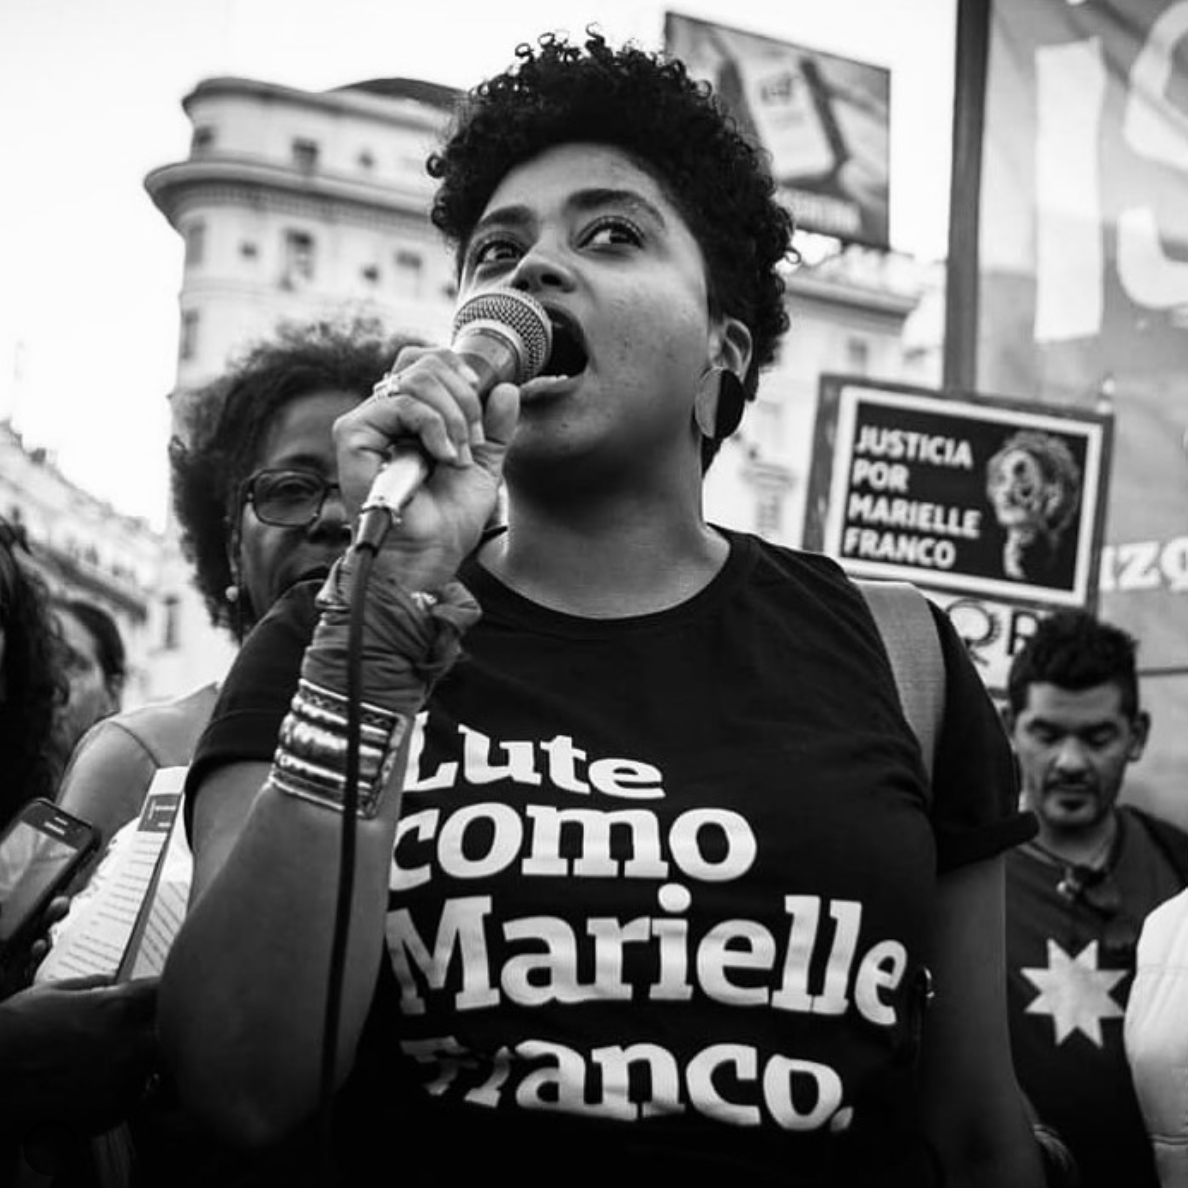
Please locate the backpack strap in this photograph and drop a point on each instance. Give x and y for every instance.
(904, 619)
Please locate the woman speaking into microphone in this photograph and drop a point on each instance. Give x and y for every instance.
(648, 878)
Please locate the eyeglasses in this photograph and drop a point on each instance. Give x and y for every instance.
(1098, 890)
(286, 498)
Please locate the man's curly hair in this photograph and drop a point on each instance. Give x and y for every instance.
(647, 106)
(33, 683)
(231, 418)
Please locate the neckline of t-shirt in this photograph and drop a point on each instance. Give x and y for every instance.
(499, 599)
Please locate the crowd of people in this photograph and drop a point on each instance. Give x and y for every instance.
(648, 873)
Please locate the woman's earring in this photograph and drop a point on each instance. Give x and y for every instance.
(232, 591)
(705, 403)
(718, 405)
(731, 400)
(234, 594)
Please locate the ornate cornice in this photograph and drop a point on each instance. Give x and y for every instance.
(409, 110)
(246, 182)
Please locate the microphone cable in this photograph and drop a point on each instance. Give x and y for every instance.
(502, 334)
(365, 554)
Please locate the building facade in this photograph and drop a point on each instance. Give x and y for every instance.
(296, 205)
(84, 548)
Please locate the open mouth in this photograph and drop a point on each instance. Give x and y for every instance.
(568, 356)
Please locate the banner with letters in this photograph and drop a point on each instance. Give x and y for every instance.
(994, 507)
(1083, 296)
(824, 120)
(974, 495)
(1083, 251)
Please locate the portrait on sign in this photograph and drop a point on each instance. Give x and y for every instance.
(1034, 486)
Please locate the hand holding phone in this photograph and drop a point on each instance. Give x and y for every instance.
(78, 1052)
(40, 851)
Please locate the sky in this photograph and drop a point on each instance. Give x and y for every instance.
(90, 102)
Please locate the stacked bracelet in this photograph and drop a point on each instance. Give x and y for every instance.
(409, 641)
(311, 754)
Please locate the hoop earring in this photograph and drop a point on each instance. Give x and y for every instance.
(718, 404)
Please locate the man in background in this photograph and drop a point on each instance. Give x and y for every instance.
(1078, 893)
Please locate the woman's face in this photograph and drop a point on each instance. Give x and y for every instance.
(271, 557)
(1017, 490)
(591, 234)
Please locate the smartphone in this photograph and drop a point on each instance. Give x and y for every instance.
(39, 853)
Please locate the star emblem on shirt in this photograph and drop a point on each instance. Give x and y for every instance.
(1074, 992)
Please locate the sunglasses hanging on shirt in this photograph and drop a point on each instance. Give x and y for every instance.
(1098, 890)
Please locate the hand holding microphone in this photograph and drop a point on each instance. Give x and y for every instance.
(438, 400)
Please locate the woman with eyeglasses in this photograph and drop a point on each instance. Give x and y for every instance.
(257, 501)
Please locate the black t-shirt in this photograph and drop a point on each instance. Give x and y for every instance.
(660, 884)
(1069, 971)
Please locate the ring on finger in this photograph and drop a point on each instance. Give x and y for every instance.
(388, 386)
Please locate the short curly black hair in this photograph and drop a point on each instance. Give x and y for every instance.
(1075, 650)
(648, 106)
(33, 684)
(231, 417)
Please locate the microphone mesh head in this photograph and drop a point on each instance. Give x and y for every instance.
(519, 312)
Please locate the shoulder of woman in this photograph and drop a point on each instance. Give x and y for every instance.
(110, 755)
(1165, 932)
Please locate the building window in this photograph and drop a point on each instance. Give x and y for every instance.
(189, 335)
(305, 154)
(203, 140)
(195, 244)
(857, 356)
(409, 267)
(299, 258)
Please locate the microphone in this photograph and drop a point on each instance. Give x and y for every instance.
(505, 336)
